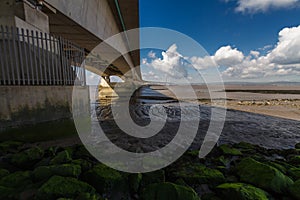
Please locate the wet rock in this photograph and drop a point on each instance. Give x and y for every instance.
(85, 165)
(240, 191)
(134, 181)
(295, 160)
(28, 158)
(210, 196)
(297, 146)
(45, 172)
(88, 196)
(9, 147)
(277, 166)
(294, 173)
(16, 180)
(7, 193)
(61, 158)
(107, 181)
(67, 187)
(199, 174)
(82, 152)
(227, 150)
(295, 190)
(168, 191)
(3, 172)
(263, 176)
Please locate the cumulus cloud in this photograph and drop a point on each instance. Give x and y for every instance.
(227, 56)
(171, 63)
(287, 50)
(282, 59)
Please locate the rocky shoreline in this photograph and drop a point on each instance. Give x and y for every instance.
(239, 171)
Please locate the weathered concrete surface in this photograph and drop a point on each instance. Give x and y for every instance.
(22, 14)
(24, 105)
(88, 23)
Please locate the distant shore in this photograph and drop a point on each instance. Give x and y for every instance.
(272, 100)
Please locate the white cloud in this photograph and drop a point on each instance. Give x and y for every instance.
(283, 59)
(172, 63)
(151, 54)
(254, 6)
(227, 56)
(255, 54)
(287, 50)
(202, 63)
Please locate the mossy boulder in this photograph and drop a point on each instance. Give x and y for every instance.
(295, 160)
(277, 166)
(294, 173)
(168, 191)
(134, 181)
(7, 193)
(210, 196)
(106, 180)
(85, 165)
(61, 158)
(199, 174)
(67, 187)
(241, 191)
(88, 196)
(45, 172)
(227, 150)
(297, 146)
(295, 190)
(9, 147)
(3, 172)
(263, 176)
(157, 176)
(16, 180)
(82, 152)
(27, 158)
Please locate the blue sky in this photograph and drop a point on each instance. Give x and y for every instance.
(246, 38)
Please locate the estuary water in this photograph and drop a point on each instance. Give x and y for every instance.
(267, 131)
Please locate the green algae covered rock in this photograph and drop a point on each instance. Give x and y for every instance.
(3, 172)
(168, 191)
(294, 173)
(157, 176)
(45, 172)
(263, 176)
(27, 158)
(199, 174)
(229, 150)
(295, 160)
(67, 187)
(134, 181)
(106, 180)
(61, 158)
(9, 146)
(295, 190)
(241, 191)
(7, 193)
(85, 165)
(16, 180)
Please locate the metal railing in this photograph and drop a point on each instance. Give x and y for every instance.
(30, 57)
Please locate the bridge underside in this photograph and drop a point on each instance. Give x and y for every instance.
(92, 24)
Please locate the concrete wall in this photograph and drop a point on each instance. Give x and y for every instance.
(24, 15)
(25, 105)
(96, 17)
